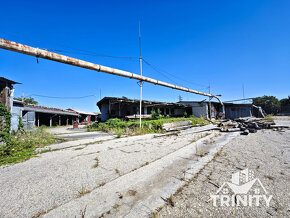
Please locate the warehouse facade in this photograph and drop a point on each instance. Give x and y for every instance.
(36, 115)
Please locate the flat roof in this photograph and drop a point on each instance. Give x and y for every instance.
(81, 112)
(44, 109)
(145, 102)
(8, 81)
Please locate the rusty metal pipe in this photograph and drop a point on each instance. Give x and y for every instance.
(40, 53)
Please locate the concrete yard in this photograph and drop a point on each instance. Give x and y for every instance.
(133, 176)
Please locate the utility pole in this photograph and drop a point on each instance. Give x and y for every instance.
(141, 82)
(22, 96)
(209, 104)
(244, 93)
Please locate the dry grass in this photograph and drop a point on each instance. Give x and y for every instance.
(97, 162)
(132, 192)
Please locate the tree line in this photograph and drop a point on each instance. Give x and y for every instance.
(272, 105)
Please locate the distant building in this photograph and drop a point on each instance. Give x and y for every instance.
(211, 110)
(36, 115)
(6, 92)
(112, 107)
(85, 116)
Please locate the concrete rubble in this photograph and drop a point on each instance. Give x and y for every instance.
(248, 125)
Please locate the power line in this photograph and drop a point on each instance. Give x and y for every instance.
(164, 74)
(154, 68)
(45, 96)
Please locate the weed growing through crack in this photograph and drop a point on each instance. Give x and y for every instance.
(119, 134)
(269, 177)
(97, 162)
(170, 201)
(116, 206)
(132, 192)
(102, 184)
(216, 155)
(201, 153)
(154, 214)
(83, 192)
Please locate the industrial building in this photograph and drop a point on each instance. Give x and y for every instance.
(112, 107)
(211, 109)
(6, 92)
(36, 115)
(86, 117)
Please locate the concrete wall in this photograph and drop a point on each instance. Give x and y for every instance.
(28, 119)
(16, 112)
(199, 109)
(104, 112)
(233, 112)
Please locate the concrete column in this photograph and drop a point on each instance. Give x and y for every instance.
(38, 119)
(50, 120)
(66, 120)
(59, 120)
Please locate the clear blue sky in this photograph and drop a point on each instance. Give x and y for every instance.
(222, 43)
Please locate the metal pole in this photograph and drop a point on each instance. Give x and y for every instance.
(40, 53)
(209, 105)
(140, 113)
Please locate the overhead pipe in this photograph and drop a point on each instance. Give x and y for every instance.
(40, 53)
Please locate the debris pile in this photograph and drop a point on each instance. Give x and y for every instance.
(248, 125)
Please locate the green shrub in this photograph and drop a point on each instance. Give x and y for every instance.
(131, 127)
(23, 145)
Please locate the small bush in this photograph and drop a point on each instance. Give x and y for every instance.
(119, 134)
(269, 118)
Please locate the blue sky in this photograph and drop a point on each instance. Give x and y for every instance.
(222, 43)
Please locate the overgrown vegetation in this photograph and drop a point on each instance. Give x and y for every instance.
(269, 118)
(131, 127)
(5, 138)
(20, 146)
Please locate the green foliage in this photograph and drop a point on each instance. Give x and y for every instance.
(29, 100)
(119, 134)
(285, 101)
(185, 114)
(269, 117)
(270, 104)
(20, 124)
(131, 127)
(23, 144)
(155, 114)
(5, 130)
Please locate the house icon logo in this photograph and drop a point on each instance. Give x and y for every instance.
(243, 190)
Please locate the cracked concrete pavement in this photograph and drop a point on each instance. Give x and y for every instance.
(94, 174)
(133, 176)
(267, 153)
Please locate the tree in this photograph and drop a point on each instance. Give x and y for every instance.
(285, 101)
(270, 104)
(29, 100)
